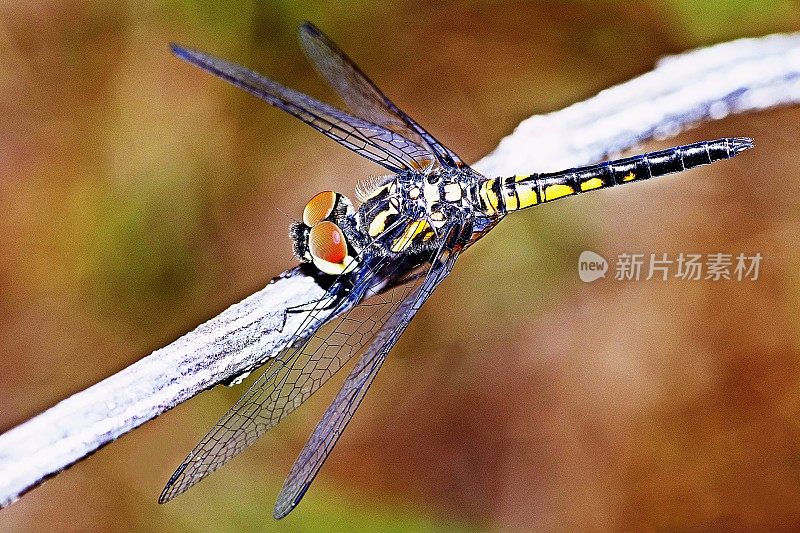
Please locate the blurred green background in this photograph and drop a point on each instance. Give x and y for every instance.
(141, 197)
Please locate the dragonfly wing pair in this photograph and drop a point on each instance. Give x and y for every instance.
(363, 97)
(341, 410)
(372, 327)
(377, 130)
(367, 323)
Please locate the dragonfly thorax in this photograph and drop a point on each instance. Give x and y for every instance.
(421, 204)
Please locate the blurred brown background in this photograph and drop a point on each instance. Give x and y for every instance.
(141, 197)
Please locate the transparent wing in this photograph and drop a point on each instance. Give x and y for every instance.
(343, 407)
(362, 95)
(375, 142)
(299, 370)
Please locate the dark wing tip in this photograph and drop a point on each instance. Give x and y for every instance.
(740, 144)
(187, 54)
(179, 50)
(170, 490)
(198, 58)
(286, 505)
(309, 27)
(281, 511)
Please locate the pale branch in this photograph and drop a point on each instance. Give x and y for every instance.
(684, 90)
(705, 84)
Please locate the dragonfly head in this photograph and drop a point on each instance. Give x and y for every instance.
(320, 239)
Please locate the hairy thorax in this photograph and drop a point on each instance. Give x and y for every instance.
(430, 202)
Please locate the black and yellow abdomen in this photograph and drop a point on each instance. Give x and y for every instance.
(497, 196)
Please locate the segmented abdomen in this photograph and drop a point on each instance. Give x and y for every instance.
(499, 195)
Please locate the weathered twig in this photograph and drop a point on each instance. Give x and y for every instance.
(706, 84)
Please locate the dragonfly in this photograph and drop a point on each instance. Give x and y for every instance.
(379, 262)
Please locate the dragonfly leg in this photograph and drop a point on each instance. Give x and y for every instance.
(325, 303)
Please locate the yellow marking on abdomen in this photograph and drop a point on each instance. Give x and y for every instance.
(630, 176)
(558, 190)
(512, 204)
(490, 200)
(527, 194)
(519, 192)
(593, 183)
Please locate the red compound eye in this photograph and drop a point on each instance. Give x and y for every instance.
(319, 208)
(326, 241)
